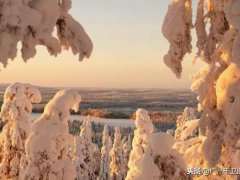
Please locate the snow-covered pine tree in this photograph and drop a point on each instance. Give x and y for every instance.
(127, 147)
(116, 154)
(149, 159)
(96, 159)
(105, 156)
(83, 153)
(16, 109)
(110, 142)
(48, 143)
(217, 84)
(188, 114)
(32, 23)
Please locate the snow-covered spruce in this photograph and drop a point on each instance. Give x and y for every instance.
(127, 147)
(149, 159)
(105, 156)
(83, 152)
(48, 143)
(32, 23)
(16, 109)
(217, 84)
(116, 154)
(187, 115)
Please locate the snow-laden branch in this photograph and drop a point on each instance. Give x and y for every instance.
(217, 84)
(32, 23)
(177, 30)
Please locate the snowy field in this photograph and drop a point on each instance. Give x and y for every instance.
(110, 122)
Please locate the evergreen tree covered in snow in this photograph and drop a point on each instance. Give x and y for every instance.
(83, 153)
(105, 156)
(149, 159)
(217, 84)
(48, 143)
(32, 23)
(127, 147)
(116, 153)
(96, 159)
(188, 114)
(16, 109)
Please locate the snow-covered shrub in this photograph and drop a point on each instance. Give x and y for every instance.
(116, 154)
(149, 159)
(127, 147)
(48, 143)
(32, 23)
(16, 109)
(217, 84)
(83, 152)
(105, 156)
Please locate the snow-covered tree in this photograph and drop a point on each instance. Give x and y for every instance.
(187, 115)
(110, 142)
(217, 84)
(127, 147)
(48, 143)
(191, 149)
(96, 159)
(149, 159)
(105, 156)
(83, 152)
(116, 154)
(16, 109)
(33, 22)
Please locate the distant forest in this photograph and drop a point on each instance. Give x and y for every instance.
(162, 104)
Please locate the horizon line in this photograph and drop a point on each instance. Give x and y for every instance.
(97, 87)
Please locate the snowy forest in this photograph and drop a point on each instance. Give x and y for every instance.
(197, 148)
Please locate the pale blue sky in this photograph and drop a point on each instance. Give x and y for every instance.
(128, 50)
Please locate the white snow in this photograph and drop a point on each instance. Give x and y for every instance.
(16, 109)
(179, 15)
(217, 83)
(151, 151)
(32, 23)
(105, 156)
(83, 157)
(48, 144)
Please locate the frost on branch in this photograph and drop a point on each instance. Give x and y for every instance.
(116, 154)
(32, 23)
(217, 84)
(48, 143)
(177, 30)
(149, 159)
(84, 152)
(105, 156)
(16, 109)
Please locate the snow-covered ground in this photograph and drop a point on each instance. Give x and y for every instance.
(111, 122)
